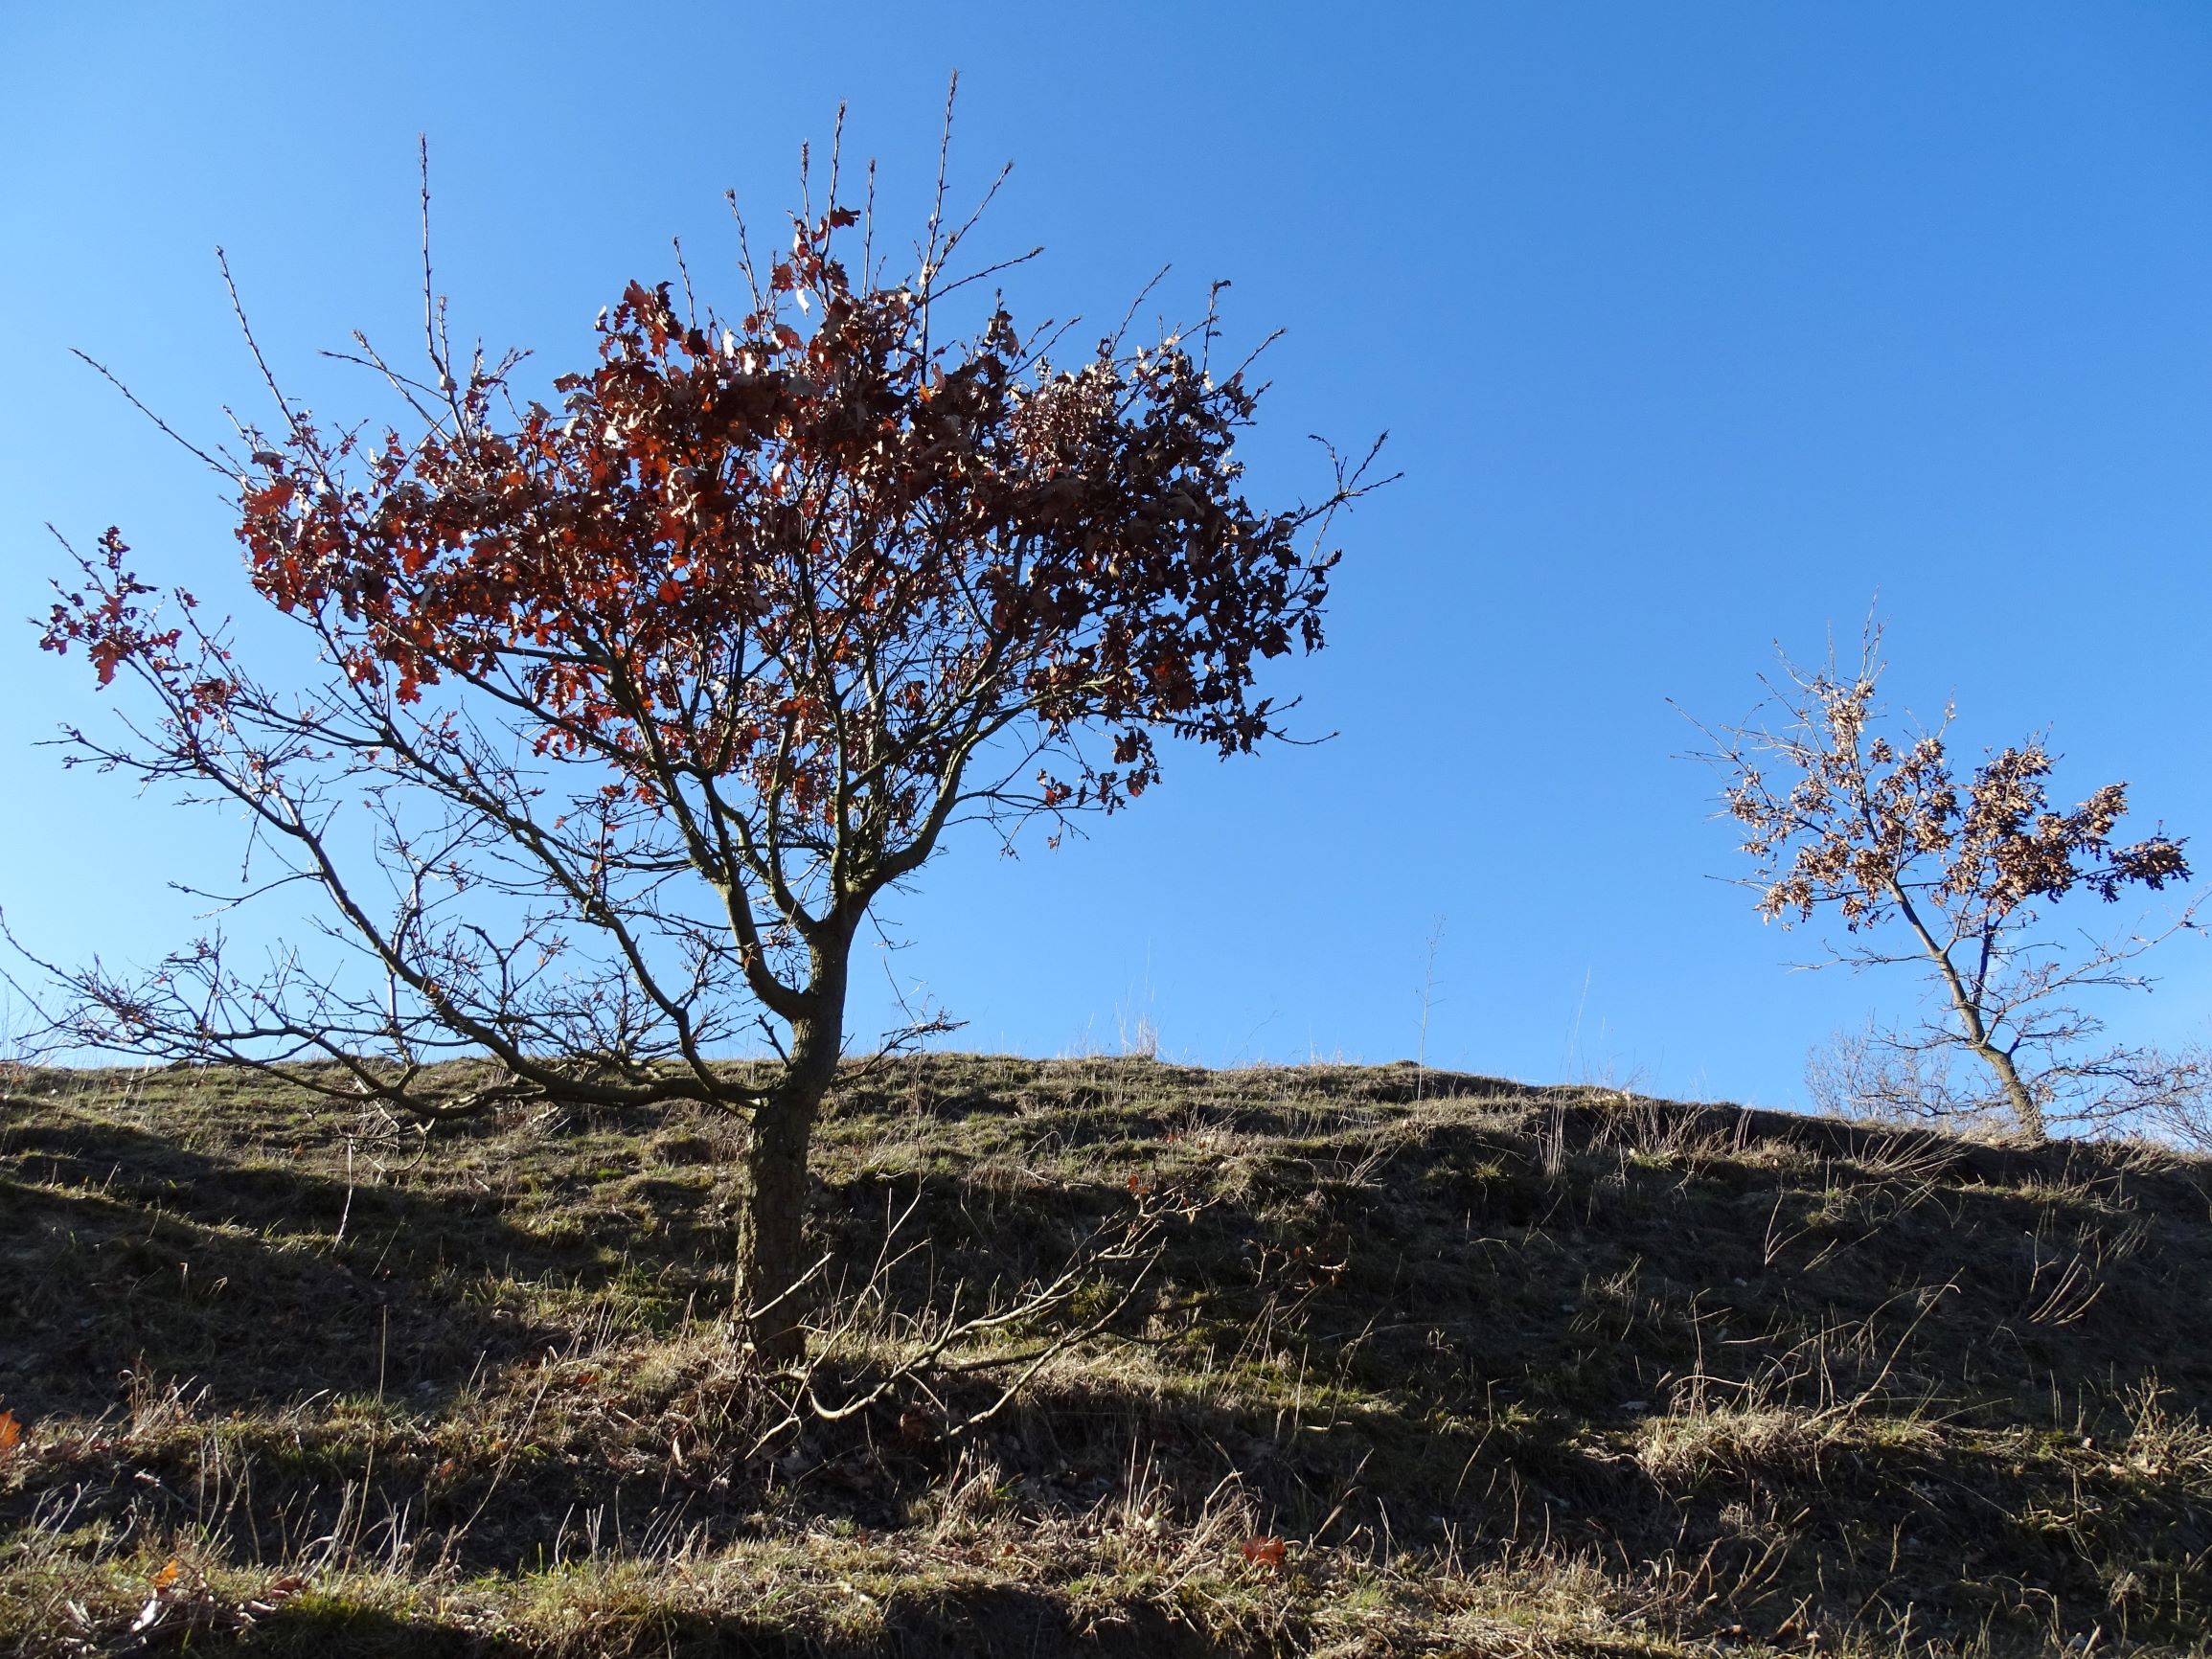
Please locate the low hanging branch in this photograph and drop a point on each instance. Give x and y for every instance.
(1921, 868)
(924, 1359)
(632, 705)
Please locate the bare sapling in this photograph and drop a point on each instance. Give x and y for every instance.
(2178, 1098)
(1874, 828)
(1426, 994)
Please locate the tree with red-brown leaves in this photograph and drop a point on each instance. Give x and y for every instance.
(634, 705)
(1879, 829)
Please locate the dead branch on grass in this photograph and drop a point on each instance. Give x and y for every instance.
(925, 1362)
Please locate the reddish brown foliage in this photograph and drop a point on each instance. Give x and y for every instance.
(639, 703)
(1865, 821)
(790, 558)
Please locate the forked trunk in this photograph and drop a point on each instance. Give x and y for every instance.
(1967, 1003)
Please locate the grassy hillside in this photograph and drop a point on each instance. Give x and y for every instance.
(1490, 1370)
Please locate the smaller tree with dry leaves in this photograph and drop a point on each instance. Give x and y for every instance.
(1848, 813)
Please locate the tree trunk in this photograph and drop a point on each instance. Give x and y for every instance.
(1967, 1004)
(772, 1222)
(2018, 1094)
(772, 1217)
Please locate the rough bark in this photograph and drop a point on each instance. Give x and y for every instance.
(772, 1215)
(771, 1225)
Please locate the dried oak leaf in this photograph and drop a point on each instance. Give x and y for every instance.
(1267, 1552)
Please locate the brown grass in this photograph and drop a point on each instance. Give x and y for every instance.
(1501, 1370)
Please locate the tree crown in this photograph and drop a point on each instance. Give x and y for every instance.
(769, 600)
(1863, 822)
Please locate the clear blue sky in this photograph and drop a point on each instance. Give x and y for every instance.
(1694, 326)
